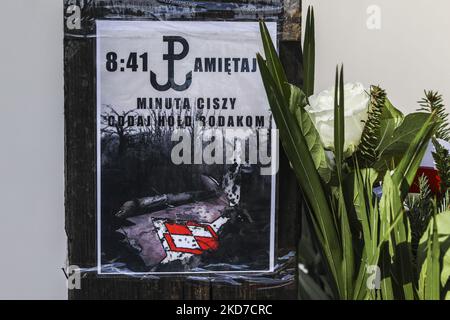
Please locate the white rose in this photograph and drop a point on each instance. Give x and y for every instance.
(321, 110)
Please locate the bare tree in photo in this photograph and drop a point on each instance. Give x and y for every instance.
(113, 128)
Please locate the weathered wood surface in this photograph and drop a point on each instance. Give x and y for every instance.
(80, 192)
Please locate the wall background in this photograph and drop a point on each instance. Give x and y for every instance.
(32, 237)
(410, 52)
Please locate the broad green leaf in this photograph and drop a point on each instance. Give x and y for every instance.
(406, 171)
(402, 136)
(312, 137)
(297, 99)
(390, 119)
(393, 113)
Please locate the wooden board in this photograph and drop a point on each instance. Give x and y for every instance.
(80, 175)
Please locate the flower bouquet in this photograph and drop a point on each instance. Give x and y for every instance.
(356, 158)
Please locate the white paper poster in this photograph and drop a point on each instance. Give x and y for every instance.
(186, 148)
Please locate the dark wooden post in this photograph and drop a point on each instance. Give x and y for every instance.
(80, 175)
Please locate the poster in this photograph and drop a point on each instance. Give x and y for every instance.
(186, 149)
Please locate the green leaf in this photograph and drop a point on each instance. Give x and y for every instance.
(379, 130)
(297, 151)
(313, 260)
(403, 257)
(402, 136)
(429, 281)
(361, 181)
(442, 221)
(339, 124)
(406, 171)
(387, 290)
(390, 119)
(312, 137)
(345, 232)
(394, 245)
(309, 54)
(273, 62)
(390, 209)
(396, 258)
(296, 148)
(348, 267)
(393, 113)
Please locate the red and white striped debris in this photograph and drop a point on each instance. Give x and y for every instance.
(182, 240)
(177, 233)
